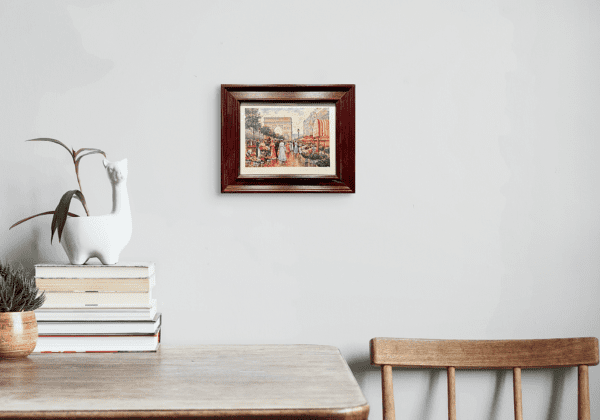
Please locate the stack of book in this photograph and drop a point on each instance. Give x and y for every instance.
(97, 308)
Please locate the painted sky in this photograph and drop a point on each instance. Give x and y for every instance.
(298, 114)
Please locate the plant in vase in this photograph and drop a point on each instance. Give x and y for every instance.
(19, 297)
(103, 237)
(62, 210)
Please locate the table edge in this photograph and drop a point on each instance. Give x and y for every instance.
(354, 413)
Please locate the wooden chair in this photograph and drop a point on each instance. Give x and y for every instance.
(485, 354)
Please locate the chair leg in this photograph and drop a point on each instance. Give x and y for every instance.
(451, 393)
(518, 394)
(387, 392)
(583, 393)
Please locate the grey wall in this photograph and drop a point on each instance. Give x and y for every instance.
(476, 212)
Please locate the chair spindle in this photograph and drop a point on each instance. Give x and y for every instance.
(583, 393)
(518, 394)
(387, 390)
(451, 393)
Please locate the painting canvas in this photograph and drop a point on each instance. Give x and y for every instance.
(295, 139)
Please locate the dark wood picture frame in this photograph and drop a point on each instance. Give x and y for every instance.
(343, 96)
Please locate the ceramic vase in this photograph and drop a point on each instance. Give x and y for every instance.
(18, 334)
(102, 237)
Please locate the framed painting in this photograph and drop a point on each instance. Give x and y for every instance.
(287, 138)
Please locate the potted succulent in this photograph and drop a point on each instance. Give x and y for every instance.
(19, 297)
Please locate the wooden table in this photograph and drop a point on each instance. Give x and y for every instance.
(242, 381)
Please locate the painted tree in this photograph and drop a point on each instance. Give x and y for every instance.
(253, 120)
(266, 131)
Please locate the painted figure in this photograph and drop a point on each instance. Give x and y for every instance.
(281, 155)
(272, 134)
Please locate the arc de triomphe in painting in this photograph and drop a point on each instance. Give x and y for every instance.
(280, 125)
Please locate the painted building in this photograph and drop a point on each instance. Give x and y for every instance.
(309, 123)
(280, 125)
(321, 129)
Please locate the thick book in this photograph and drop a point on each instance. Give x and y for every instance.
(94, 313)
(67, 284)
(107, 327)
(95, 270)
(96, 343)
(97, 299)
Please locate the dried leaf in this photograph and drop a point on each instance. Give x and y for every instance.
(87, 154)
(93, 151)
(54, 141)
(41, 214)
(87, 149)
(60, 215)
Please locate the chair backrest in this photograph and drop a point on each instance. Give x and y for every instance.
(485, 354)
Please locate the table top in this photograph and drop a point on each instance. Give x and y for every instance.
(259, 381)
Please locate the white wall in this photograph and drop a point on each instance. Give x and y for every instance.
(476, 212)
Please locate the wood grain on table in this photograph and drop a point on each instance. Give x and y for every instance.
(253, 381)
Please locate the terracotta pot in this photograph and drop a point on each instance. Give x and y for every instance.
(18, 333)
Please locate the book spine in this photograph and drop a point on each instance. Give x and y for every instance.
(73, 344)
(95, 284)
(98, 351)
(93, 271)
(96, 299)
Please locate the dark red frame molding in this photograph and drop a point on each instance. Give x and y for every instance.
(342, 96)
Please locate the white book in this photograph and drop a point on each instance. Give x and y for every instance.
(97, 299)
(94, 313)
(89, 284)
(95, 270)
(96, 343)
(107, 327)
